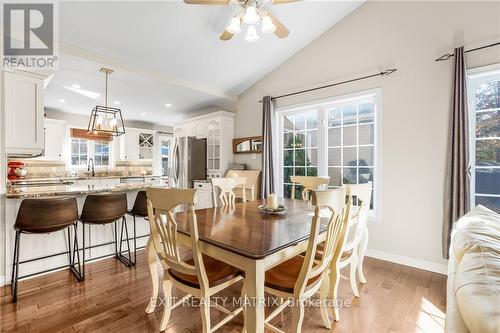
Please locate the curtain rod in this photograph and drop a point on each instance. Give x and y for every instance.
(383, 73)
(449, 55)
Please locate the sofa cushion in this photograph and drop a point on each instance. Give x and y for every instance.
(477, 289)
(479, 227)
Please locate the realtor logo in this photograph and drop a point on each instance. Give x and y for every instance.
(28, 41)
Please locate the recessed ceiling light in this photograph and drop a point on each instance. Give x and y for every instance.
(168, 105)
(62, 101)
(117, 102)
(76, 86)
(143, 113)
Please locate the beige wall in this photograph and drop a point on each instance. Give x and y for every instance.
(415, 104)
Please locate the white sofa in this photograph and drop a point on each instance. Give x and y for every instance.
(473, 289)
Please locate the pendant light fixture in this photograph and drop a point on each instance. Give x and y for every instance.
(106, 119)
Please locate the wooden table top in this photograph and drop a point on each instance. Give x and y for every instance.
(248, 231)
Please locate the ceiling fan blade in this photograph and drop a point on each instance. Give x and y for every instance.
(281, 30)
(206, 2)
(226, 35)
(278, 2)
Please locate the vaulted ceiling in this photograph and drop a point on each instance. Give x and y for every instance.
(167, 52)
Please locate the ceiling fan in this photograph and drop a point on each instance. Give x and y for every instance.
(252, 13)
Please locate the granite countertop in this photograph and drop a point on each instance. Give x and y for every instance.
(69, 178)
(61, 190)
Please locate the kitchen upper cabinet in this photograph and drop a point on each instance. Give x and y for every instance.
(136, 144)
(54, 139)
(24, 113)
(218, 129)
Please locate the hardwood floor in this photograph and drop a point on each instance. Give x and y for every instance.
(113, 298)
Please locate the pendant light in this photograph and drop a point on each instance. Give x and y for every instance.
(106, 119)
(235, 26)
(251, 36)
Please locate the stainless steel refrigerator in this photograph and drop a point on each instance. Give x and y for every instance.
(189, 162)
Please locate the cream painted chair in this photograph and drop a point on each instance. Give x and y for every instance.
(225, 186)
(310, 183)
(299, 278)
(202, 276)
(357, 234)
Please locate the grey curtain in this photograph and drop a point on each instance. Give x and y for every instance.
(268, 161)
(457, 190)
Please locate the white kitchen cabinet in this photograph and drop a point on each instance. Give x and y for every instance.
(24, 113)
(54, 139)
(218, 129)
(136, 144)
(203, 195)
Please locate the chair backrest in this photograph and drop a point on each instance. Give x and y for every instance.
(161, 203)
(334, 235)
(310, 183)
(225, 186)
(140, 204)
(360, 195)
(104, 207)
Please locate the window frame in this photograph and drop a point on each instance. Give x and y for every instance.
(475, 77)
(322, 106)
(90, 154)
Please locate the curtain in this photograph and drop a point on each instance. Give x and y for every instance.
(457, 182)
(268, 160)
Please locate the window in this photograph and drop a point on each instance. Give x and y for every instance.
(79, 149)
(335, 138)
(300, 148)
(484, 111)
(83, 149)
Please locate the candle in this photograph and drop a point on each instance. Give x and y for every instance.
(272, 201)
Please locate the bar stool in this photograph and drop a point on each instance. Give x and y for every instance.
(44, 216)
(103, 209)
(140, 209)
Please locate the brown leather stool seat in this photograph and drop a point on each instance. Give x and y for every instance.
(106, 208)
(42, 216)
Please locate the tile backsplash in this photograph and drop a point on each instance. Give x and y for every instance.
(46, 169)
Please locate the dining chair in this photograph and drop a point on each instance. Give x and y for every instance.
(297, 279)
(353, 251)
(225, 186)
(309, 183)
(201, 276)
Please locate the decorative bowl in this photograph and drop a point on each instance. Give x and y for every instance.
(280, 210)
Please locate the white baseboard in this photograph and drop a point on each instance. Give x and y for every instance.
(408, 261)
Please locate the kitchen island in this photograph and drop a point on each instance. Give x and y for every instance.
(35, 246)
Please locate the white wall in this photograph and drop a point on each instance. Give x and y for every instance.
(415, 104)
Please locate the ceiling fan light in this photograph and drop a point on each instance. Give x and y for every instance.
(251, 16)
(268, 27)
(251, 36)
(234, 27)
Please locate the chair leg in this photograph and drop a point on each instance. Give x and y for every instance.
(83, 250)
(243, 303)
(167, 293)
(353, 266)
(127, 261)
(324, 301)
(15, 266)
(361, 255)
(297, 316)
(205, 314)
(334, 285)
(153, 272)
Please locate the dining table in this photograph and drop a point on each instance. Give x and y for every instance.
(250, 239)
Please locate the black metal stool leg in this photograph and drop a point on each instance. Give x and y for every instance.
(77, 273)
(15, 266)
(135, 242)
(121, 257)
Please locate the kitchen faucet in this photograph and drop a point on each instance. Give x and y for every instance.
(89, 168)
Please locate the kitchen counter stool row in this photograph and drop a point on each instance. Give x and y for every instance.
(47, 215)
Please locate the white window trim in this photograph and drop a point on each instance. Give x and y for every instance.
(320, 105)
(476, 76)
(90, 153)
